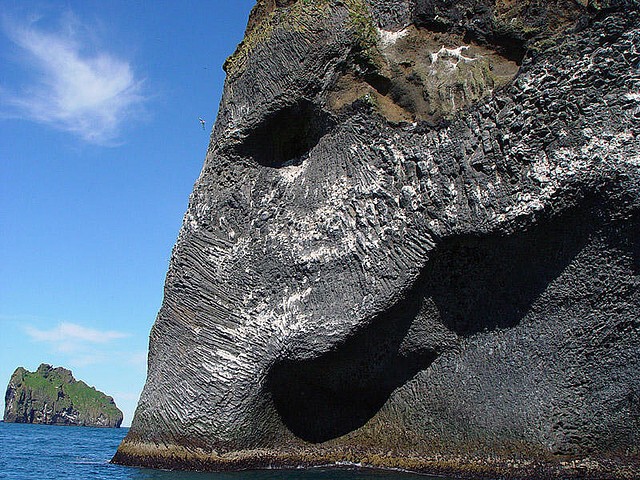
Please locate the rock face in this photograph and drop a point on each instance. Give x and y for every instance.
(414, 243)
(51, 396)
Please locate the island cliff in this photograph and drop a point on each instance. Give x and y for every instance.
(414, 243)
(51, 396)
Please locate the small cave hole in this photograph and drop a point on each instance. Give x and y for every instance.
(285, 137)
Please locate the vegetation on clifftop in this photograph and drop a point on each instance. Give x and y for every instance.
(299, 15)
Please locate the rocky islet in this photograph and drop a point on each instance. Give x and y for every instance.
(52, 396)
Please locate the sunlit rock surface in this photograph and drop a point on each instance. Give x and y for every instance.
(414, 243)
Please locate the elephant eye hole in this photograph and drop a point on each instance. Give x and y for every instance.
(286, 136)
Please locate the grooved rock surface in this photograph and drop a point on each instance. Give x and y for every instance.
(51, 396)
(414, 243)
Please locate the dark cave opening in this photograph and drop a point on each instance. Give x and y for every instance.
(473, 284)
(287, 135)
(327, 397)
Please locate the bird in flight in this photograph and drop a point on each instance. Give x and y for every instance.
(202, 122)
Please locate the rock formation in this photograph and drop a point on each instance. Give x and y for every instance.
(415, 243)
(51, 396)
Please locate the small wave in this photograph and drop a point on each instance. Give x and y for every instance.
(89, 461)
(371, 468)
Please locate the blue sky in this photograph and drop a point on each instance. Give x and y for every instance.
(100, 144)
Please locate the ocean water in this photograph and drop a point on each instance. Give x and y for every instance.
(81, 453)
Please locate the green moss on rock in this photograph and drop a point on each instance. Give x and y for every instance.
(300, 16)
(265, 17)
(365, 32)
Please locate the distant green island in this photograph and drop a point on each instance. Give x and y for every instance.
(52, 396)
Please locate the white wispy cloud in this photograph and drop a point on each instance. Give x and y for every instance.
(70, 337)
(71, 85)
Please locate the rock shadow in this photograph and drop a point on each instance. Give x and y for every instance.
(476, 284)
(482, 284)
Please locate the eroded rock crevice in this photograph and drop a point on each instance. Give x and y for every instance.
(417, 74)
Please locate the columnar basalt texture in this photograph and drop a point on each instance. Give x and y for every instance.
(414, 243)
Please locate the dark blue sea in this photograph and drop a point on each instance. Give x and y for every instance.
(47, 452)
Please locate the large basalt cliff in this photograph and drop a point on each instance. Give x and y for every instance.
(52, 396)
(414, 243)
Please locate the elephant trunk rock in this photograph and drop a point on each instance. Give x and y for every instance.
(413, 244)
